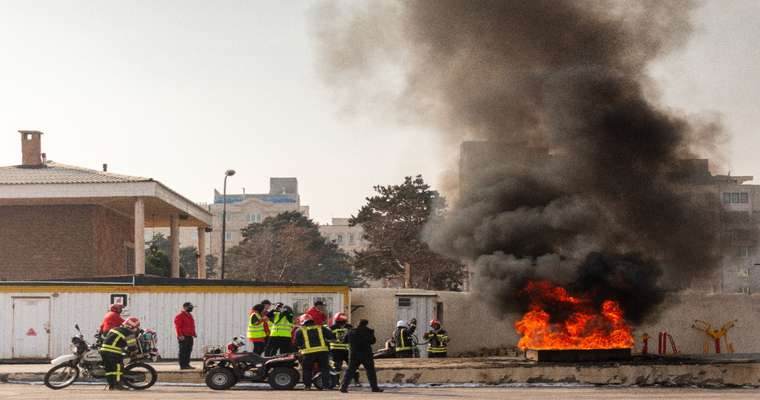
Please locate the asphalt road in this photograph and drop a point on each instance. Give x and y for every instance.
(79, 392)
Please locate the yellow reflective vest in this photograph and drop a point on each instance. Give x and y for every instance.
(281, 326)
(256, 329)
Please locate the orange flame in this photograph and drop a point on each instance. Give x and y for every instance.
(584, 327)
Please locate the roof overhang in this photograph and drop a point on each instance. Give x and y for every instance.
(160, 201)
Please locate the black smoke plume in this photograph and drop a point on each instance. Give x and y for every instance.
(572, 168)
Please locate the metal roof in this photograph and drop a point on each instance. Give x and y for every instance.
(153, 280)
(55, 173)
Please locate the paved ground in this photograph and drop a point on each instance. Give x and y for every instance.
(78, 392)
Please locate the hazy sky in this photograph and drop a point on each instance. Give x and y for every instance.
(180, 91)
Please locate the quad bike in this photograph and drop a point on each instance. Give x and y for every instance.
(85, 360)
(223, 370)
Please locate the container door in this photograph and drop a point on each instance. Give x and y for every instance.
(31, 325)
(421, 308)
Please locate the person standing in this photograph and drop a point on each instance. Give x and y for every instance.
(438, 339)
(112, 319)
(258, 330)
(403, 340)
(312, 343)
(360, 341)
(280, 330)
(339, 348)
(119, 342)
(318, 313)
(184, 324)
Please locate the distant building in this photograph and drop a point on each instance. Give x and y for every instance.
(245, 209)
(61, 221)
(348, 238)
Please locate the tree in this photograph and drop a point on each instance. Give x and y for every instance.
(393, 221)
(287, 248)
(158, 261)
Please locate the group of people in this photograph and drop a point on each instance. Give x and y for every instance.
(274, 329)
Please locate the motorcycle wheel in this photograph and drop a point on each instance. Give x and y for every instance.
(61, 376)
(139, 376)
(283, 378)
(220, 378)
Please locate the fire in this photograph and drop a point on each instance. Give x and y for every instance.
(577, 325)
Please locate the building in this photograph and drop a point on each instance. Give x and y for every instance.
(245, 209)
(62, 221)
(37, 318)
(348, 238)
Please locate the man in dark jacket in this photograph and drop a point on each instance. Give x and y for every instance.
(360, 341)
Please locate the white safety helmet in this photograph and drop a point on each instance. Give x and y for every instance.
(401, 324)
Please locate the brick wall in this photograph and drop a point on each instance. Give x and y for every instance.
(112, 233)
(49, 242)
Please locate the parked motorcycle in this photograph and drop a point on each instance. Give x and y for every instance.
(85, 360)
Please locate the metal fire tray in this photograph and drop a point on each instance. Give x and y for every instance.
(578, 355)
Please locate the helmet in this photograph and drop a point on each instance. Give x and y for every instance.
(340, 317)
(132, 323)
(435, 322)
(239, 341)
(401, 324)
(117, 307)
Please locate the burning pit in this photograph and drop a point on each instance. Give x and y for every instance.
(560, 327)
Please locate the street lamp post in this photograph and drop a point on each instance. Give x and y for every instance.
(227, 174)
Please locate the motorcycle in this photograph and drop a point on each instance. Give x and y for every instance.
(85, 360)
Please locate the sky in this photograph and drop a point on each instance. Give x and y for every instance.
(181, 91)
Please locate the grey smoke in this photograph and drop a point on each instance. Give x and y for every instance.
(584, 189)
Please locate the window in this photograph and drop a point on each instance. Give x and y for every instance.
(439, 311)
(194, 235)
(740, 234)
(404, 302)
(743, 273)
(228, 235)
(350, 238)
(742, 251)
(339, 239)
(735, 198)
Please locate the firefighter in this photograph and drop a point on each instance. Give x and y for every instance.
(112, 319)
(339, 348)
(118, 342)
(318, 312)
(438, 340)
(402, 337)
(280, 330)
(258, 330)
(312, 344)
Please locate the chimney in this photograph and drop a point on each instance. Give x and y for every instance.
(105, 167)
(31, 149)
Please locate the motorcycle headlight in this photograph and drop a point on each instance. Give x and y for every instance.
(74, 348)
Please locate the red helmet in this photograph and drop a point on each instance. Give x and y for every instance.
(117, 308)
(132, 323)
(340, 317)
(435, 322)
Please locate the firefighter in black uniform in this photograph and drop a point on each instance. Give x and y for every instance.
(118, 342)
(438, 340)
(360, 341)
(402, 337)
(339, 348)
(312, 344)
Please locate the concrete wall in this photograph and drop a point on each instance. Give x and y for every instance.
(473, 326)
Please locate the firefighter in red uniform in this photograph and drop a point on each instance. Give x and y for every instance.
(112, 318)
(118, 342)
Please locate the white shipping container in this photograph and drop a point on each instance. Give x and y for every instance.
(221, 311)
